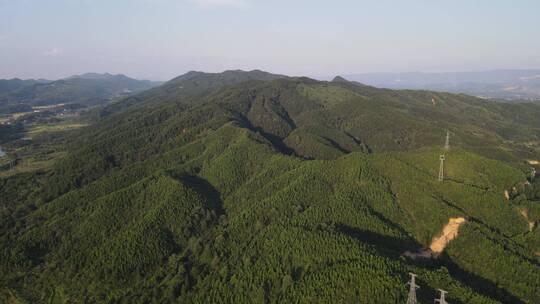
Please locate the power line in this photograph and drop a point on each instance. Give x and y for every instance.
(412, 289)
(441, 168)
(442, 299)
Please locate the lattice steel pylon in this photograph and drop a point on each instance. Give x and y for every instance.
(533, 174)
(442, 299)
(412, 289)
(441, 168)
(447, 142)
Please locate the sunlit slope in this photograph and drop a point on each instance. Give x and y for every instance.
(289, 190)
(306, 115)
(319, 120)
(189, 88)
(489, 243)
(306, 231)
(233, 212)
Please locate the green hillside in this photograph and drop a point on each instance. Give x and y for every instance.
(258, 188)
(188, 88)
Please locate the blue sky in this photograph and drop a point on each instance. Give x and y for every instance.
(160, 39)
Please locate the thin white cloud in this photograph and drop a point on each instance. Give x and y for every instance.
(55, 51)
(219, 3)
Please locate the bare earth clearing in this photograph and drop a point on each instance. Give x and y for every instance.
(450, 231)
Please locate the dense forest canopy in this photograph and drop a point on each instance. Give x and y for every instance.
(249, 187)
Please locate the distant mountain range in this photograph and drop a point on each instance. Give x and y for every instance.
(17, 95)
(498, 84)
(86, 89)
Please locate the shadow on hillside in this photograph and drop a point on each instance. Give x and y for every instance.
(276, 141)
(387, 246)
(392, 247)
(478, 283)
(204, 189)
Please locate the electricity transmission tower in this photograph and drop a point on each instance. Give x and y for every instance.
(441, 168)
(412, 289)
(533, 175)
(442, 299)
(447, 143)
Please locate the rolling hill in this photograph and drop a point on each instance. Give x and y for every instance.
(248, 187)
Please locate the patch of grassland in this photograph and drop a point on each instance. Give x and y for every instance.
(38, 129)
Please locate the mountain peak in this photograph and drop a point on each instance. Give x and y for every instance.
(339, 79)
(98, 76)
(228, 76)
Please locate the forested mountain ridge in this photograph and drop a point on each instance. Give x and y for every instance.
(271, 189)
(10, 85)
(362, 107)
(90, 88)
(189, 87)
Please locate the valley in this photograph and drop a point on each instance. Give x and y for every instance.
(33, 140)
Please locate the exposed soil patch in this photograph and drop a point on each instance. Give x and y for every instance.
(525, 214)
(450, 231)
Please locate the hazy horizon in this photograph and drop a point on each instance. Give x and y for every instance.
(317, 77)
(161, 39)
